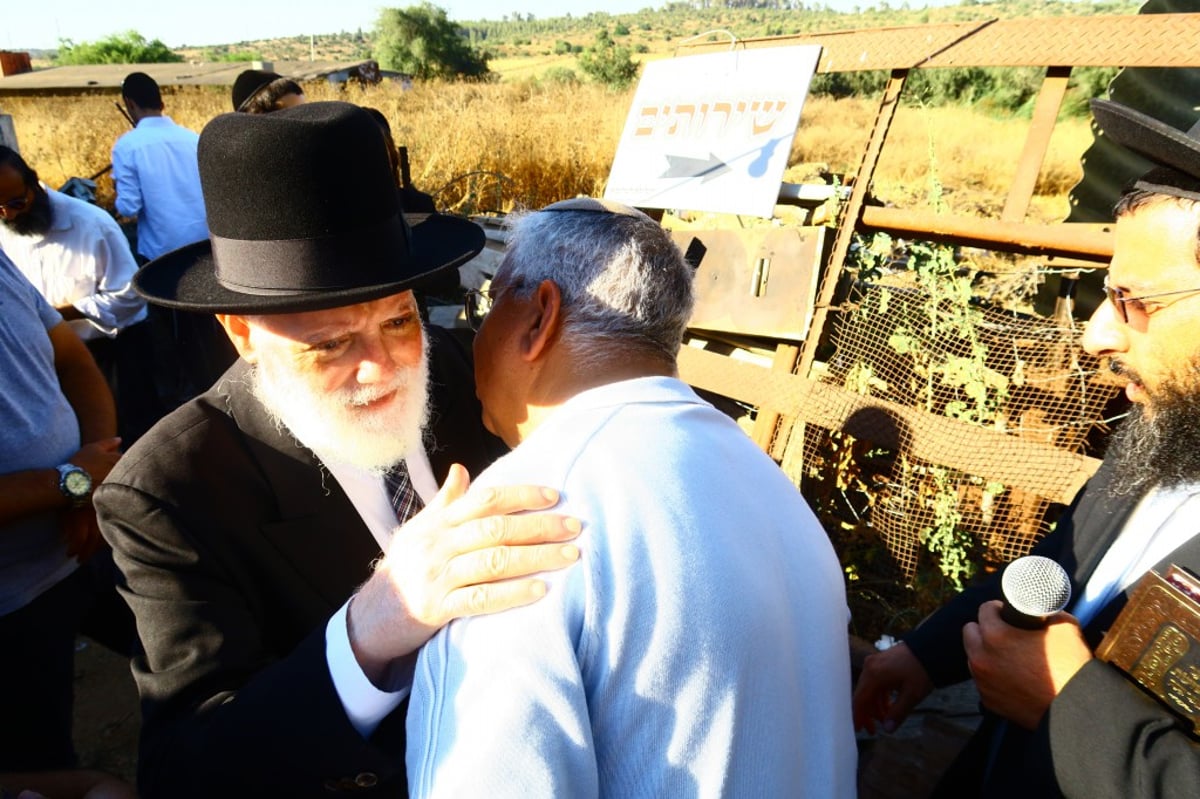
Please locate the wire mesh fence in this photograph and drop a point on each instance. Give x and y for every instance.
(946, 355)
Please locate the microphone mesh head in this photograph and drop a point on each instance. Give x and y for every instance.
(1036, 586)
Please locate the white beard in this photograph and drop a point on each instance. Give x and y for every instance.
(336, 426)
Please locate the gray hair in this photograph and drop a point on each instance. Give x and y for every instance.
(623, 280)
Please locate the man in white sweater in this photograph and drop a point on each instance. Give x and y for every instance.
(700, 649)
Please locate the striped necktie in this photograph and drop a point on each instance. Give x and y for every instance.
(401, 493)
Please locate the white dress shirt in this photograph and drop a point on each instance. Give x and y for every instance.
(365, 705)
(1163, 521)
(83, 260)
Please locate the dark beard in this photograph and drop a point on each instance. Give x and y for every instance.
(1161, 449)
(37, 220)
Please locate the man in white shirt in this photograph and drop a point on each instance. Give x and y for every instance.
(1060, 722)
(80, 261)
(73, 251)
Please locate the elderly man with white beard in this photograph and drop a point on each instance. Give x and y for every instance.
(270, 532)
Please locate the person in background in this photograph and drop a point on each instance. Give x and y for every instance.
(78, 258)
(1059, 721)
(270, 532)
(258, 91)
(701, 649)
(57, 442)
(413, 199)
(157, 181)
(155, 174)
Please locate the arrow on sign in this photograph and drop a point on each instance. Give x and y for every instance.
(680, 167)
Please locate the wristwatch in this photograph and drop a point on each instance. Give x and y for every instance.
(75, 484)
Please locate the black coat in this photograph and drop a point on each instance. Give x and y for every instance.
(1102, 736)
(236, 546)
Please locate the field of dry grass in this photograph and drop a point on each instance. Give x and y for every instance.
(482, 147)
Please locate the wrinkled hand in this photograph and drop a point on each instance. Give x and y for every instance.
(98, 458)
(1019, 672)
(465, 554)
(82, 531)
(891, 684)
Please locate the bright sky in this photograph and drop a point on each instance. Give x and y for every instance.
(39, 24)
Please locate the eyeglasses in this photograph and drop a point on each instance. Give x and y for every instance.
(19, 204)
(1122, 303)
(478, 302)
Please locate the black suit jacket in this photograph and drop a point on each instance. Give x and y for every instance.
(1102, 736)
(236, 546)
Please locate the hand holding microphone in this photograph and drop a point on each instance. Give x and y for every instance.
(1019, 656)
(1034, 589)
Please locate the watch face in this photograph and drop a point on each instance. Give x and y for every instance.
(77, 483)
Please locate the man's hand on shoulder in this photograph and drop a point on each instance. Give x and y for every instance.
(1020, 672)
(467, 553)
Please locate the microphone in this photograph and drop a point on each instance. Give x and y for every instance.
(1034, 588)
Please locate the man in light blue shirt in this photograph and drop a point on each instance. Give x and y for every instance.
(56, 441)
(155, 172)
(700, 649)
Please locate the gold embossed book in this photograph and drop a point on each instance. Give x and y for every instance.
(1155, 641)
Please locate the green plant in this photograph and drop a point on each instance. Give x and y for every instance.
(129, 47)
(608, 63)
(561, 76)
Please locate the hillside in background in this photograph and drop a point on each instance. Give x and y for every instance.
(522, 46)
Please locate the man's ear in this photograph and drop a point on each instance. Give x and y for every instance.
(238, 330)
(545, 320)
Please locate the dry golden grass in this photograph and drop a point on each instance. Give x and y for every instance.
(485, 147)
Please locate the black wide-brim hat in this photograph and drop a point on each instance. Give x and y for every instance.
(1175, 153)
(303, 215)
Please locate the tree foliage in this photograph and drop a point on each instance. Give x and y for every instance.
(129, 47)
(607, 62)
(422, 41)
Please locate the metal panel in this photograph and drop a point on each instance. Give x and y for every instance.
(757, 282)
(1169, 95)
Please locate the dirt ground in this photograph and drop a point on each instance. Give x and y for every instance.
(106, 711)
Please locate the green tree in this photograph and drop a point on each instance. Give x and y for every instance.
(606, 62)
(129, 47)
(421, 41)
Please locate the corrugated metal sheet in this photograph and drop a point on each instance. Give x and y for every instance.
(1171, 95)
(109, 76)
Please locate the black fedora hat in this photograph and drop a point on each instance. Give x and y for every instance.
(303, 215)
(248, 83)
(1175, 153)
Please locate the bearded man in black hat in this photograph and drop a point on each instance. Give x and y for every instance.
(270, 532)
(1059, 721)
